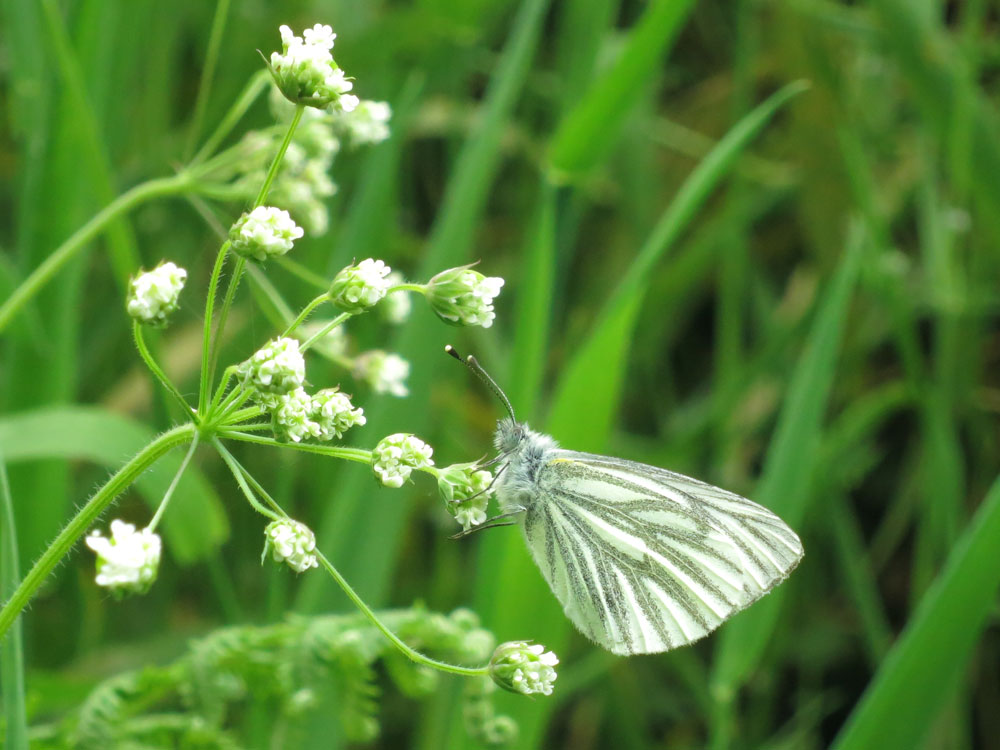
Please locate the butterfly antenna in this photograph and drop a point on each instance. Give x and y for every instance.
(477, 368)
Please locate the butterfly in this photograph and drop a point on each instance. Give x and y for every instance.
(643, 560)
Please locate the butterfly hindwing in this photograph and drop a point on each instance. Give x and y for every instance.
(645, 560)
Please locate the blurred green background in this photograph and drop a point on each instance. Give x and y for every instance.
(808, 318)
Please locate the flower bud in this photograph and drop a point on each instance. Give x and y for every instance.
(525, 668)
(128, 561)
(152, 295)
(305, 71)
(291, 542)
(356, 288)
(291, 417)
(461, 296)
(466, 491)
(396, 456)
(334, 413)
(266, 232)
(275, 369)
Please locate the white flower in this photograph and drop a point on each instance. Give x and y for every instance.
(523, 668)
(367, 123)
(266, 232)
(384, 372)
(275, 369)
(153, 294)
(291, 542)
(305, 70)
(397, 306)
(128, 561)
(396, 456)
(334, 413)
(292, 416)
(464, 297)
(466, 490)
(356, 288)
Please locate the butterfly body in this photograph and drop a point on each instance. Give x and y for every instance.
(642, 559)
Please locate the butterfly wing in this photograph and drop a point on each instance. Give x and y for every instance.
(644, 560)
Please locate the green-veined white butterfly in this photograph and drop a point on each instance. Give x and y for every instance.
(643, 560)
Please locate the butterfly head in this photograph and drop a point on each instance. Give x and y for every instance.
(509, 435)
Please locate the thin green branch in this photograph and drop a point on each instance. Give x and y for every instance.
(154, 367)
(85, 518)
(306, 312)
(207, 72)
(358, 455)
(247, 97)
(78, 240)
(240, 477)
(324, 330)
(173, 485)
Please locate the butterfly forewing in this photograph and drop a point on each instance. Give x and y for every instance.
(645, 560)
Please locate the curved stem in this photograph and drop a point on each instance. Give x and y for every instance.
(173, 485)
(324, 330)
(410, 653)
(154, 367)
(276, 162)
(77, 241)
(85, 517)
(306, 312)
(238, 473)
(421, 288)
(227, 303)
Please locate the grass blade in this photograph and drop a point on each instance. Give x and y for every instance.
(11, 649)
(591, 129)
(924, 668)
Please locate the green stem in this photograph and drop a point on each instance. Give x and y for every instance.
(358, 455)
(78, 240)
(324, 330)
(306, 312)
(220, 392)
(233, 116)
(173, 485)
(227, 303)
(85, 518)
(207, 71)
(206, 341)
(239, 476)
(410, 653)
(422, 288)
(154, 367)
(276, 162)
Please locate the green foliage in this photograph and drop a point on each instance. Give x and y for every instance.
(298, 669)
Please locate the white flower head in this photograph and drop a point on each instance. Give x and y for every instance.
(266, 232)
(356, 288)
(291, 542)
(461, 296)
(152, 295)
(466, 490)
(383, 371)
(522, 667)
(367, 123)
(305, 70)
(334, 413)
(397, 306)
(128, 561)
(291, 417)
(275, 369)
(396, 456)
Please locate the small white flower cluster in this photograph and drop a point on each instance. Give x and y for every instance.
(128, 561)
(466, 490)
(462, 296)
(305, 70)
(356, 288)
(383, 371)
(277, 373)
(521, 667)
(396, 456)
(153, 294)
(368, 123)
(276, 369)
(266, 232)
(291, 542)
